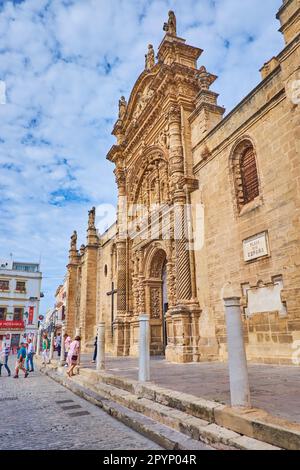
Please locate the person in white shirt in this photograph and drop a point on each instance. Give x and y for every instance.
(29, 356)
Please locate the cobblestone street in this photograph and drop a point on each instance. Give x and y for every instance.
(38, 413)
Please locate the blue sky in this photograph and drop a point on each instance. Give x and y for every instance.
(65, 64)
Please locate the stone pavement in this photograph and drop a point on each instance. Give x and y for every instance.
(275, 389)
(38, 413)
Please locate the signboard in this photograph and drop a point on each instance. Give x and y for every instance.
(30, 317)
(256, 246)
(11, 325)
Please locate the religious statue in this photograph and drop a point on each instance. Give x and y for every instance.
(74, 240)
(149, 58)
(170, 26)
(92, 214)
(122, 107)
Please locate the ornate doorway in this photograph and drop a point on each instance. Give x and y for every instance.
(157, 300)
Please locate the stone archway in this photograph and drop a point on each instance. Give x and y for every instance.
(156, 300)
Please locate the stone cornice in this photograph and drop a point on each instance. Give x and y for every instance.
(233, 135)
(283, 7)
(208, 107)
(114, 153)
(242, 103)
(178, 47)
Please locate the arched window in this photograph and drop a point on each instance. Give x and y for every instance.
(249, 175)
(245, 173)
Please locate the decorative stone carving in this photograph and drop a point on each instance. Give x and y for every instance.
(157, 264)
(122, 107)
(74, 241)
(205, 79)
(155, 302)
(174, 114)
(170, 26)
(149, 58)
(92, 214)
(144, 98)
(120, 177)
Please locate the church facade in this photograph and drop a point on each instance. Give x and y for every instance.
(208, 207)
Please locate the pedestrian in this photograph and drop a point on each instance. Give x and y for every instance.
(68, 341)
(73, 355)
(4, 358)
(20, 362)
(29, 357)
(58, 344)
(45, 348)
(95, 349)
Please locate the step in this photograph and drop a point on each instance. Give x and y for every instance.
(253, 423)
(195, 428)
(261, 429)
(162, 435)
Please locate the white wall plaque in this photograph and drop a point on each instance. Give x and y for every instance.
(256, 246)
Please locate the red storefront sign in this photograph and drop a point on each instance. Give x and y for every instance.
(11, 324)
(30, 317)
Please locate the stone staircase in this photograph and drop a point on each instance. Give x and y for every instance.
(173, 420)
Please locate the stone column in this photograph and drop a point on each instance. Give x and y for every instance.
(141, 279)
(183, 270)
(238, 373)
(62, 350)
(51, 346)
(121, 278)
(144, 348)
(100, 364)
(38, 343)
(121, 298)
(182, 349)
(72, 290)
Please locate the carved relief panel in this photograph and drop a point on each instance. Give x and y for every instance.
(155, 302)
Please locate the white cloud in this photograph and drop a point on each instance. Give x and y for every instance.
(65, 64)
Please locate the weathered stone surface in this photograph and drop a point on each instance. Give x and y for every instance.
(171, 134)
(247, 443)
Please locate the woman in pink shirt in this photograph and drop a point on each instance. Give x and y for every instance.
(73, 355)
(68, 341)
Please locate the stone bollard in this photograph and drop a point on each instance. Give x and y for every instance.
(144, 349)
(100, 360)
(38, 343)
(237, 361)
(62, 349)
(51, 346)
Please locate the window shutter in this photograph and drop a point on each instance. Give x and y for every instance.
(249, 176)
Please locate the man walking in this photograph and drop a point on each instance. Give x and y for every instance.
(95, 349)
(4, 358)
(20, 362)
(29, 357)
(58, 344)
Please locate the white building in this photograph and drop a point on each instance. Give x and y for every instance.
(60, 303)
(20, 292)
